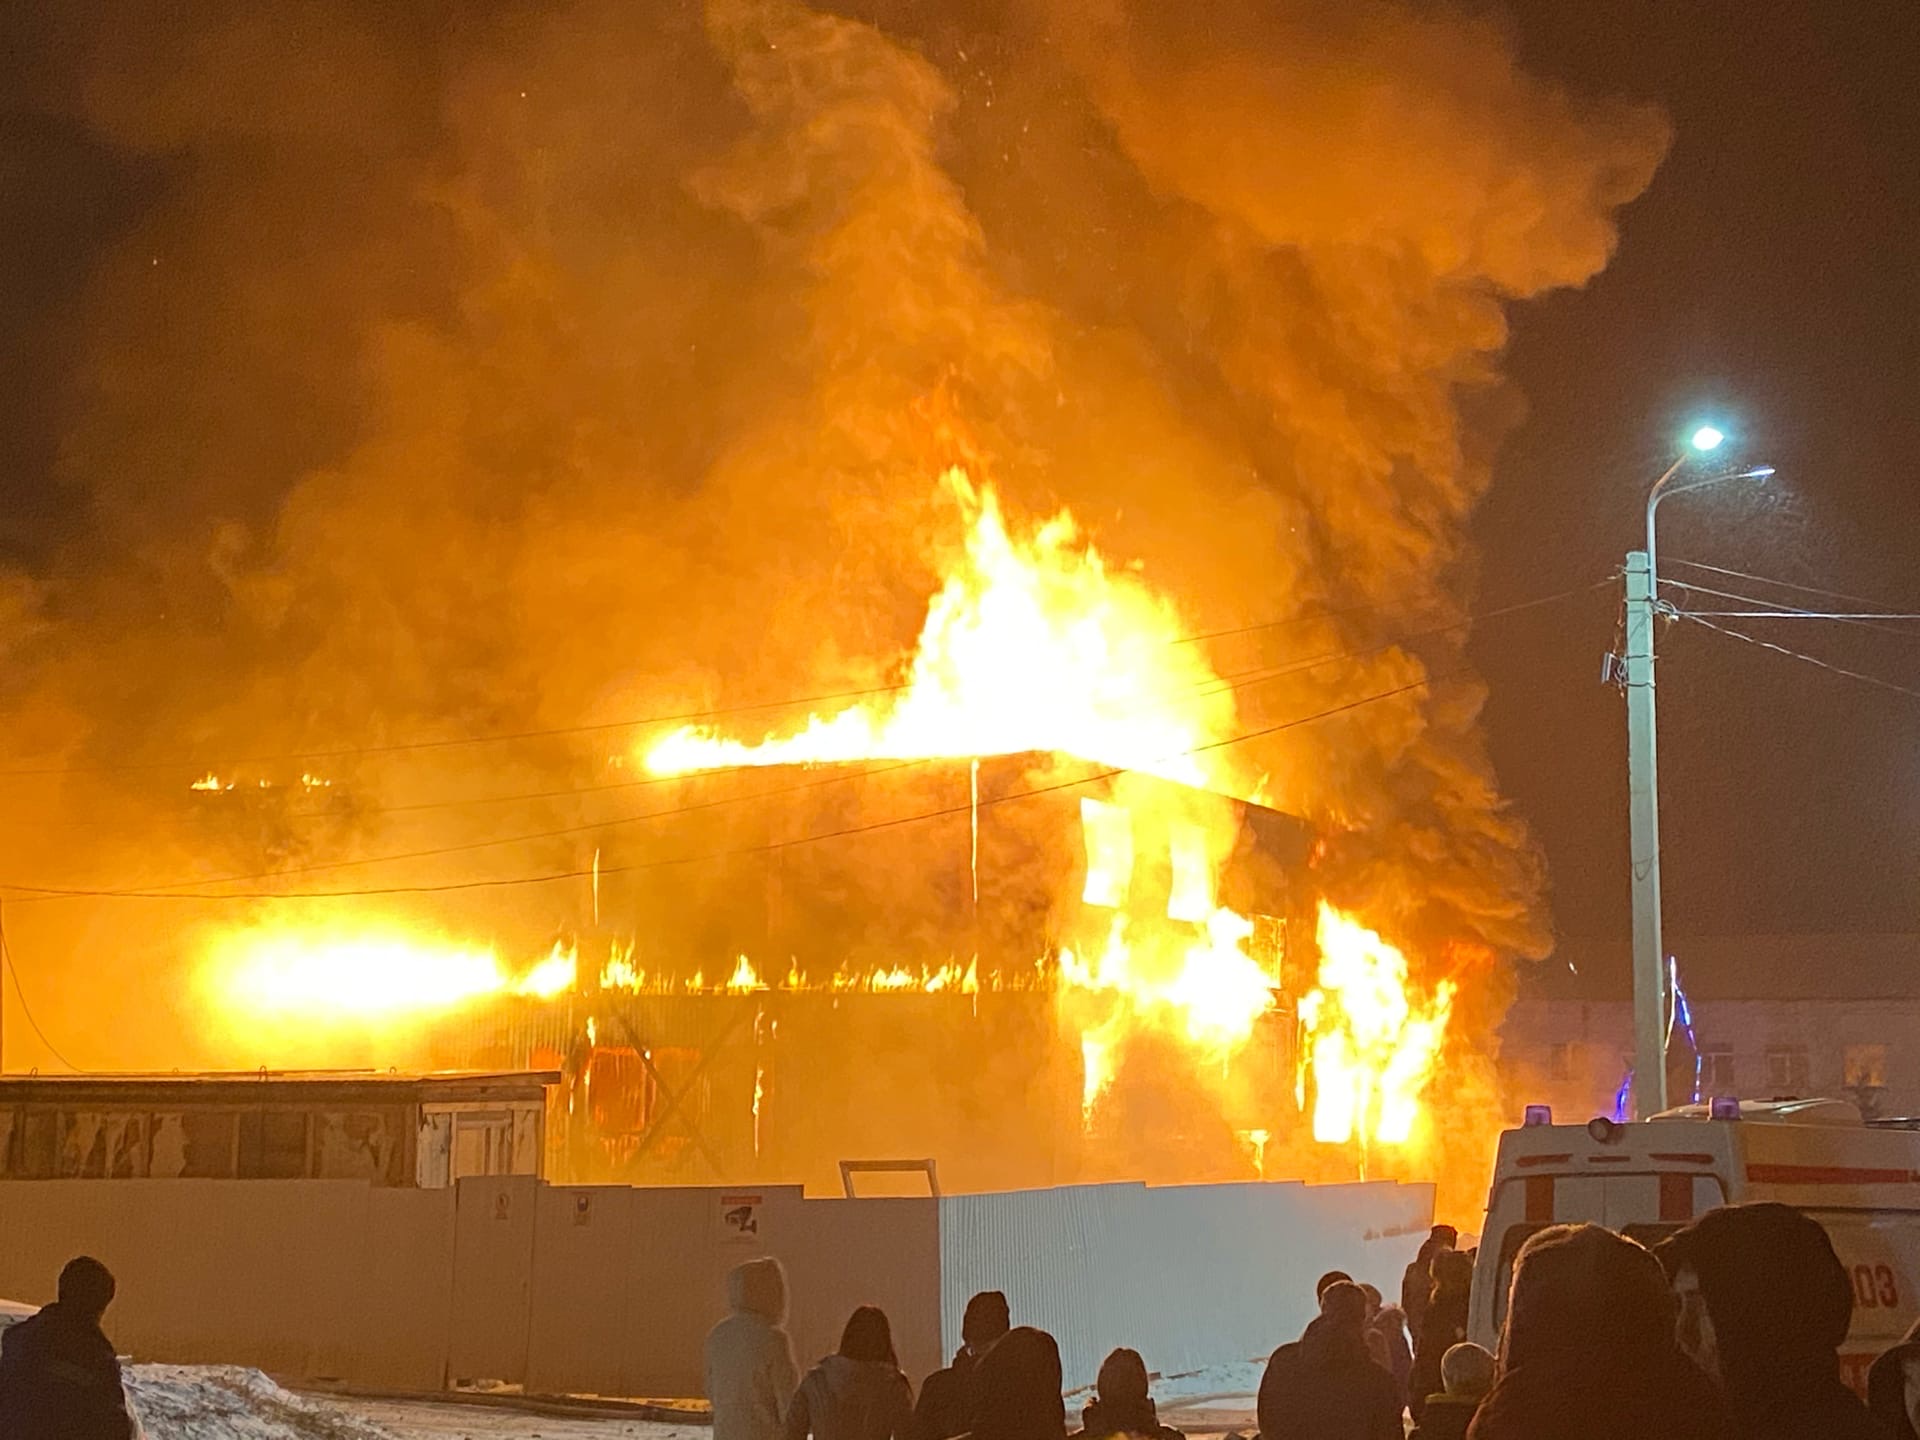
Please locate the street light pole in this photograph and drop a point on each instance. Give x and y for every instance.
(1650, 1000)
(1643, 818)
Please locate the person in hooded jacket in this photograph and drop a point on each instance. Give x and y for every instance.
(1589, 1350)
(1018, 1394)
(858, 1392)
(1893, 1388)
(59, 1377)
(751, 1372)
(1765, 1305)
(1324, 1386)
(947, 1399)
(1122, 1403)
(1416, 1285)
(1387, 1340)
(1443, 1326)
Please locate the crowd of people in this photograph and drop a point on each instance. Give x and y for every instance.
(1729, 1329)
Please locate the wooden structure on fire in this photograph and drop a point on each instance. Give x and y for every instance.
(903, 925)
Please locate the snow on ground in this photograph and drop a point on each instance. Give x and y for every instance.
(226, 1402)
(452, 1420)
(217, 1402)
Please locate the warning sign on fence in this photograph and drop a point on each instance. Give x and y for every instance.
(740, 1219)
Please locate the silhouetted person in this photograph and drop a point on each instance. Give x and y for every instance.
(858, 1392)
(1442, 1327)
(948, 1398)
(1764, 1308)
(1324, 1386)
(1893, 1388)
(1122, 1404)
(751, 1373)
(1019, 1380)
(1387, 1340)
(1327, 1282)
(1466, 1373)
(1589, 1350)
(1416, 1285)
(59, 1378)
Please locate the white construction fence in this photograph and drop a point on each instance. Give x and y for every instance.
(610, 1290)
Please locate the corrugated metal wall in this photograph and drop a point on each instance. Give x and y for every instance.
(1187, 1275)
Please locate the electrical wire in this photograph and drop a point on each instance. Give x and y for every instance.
(12, 966)
(1214, 685)
(1755, 640)
(640, 722)
(1247, 679)
(1879, 606)
(766, 848)
(1777, 611)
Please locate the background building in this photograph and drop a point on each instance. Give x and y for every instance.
(1771, 1016)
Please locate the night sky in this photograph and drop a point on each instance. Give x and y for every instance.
(1767, 281)
(1765, 278)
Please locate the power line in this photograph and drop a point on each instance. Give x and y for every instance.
(12, 966)
(535, 835)
(453, 741)
(1776, 611)
(1880, 606)
(1218, 685)
(639, 722)
(1755, 640)
(768, 847)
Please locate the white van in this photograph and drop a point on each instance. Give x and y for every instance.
(1860, 1180)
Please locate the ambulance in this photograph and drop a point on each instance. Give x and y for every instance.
(1859, 1179)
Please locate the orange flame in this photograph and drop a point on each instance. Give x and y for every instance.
(376, 972)
(1371, 1049)
(1032, 643)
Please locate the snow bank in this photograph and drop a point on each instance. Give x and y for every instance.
(226, 1402)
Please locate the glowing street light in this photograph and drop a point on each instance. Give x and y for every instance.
(1643, 784)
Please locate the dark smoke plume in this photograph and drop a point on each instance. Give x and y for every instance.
(511, 368)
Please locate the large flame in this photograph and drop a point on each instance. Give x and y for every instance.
(1370, 1048)
(1033, 643)
(1206, 990)
(374, 972)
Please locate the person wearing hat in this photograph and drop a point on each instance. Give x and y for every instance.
(59, 1377)
(1765, 1305)
(949, 1398)
(1893, 1388)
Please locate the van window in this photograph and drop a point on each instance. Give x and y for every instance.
(1510, 1243)
(1648, 1235)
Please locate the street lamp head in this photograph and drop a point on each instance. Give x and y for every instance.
(1707, 438)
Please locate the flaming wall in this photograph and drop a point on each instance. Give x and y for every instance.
(900, 991)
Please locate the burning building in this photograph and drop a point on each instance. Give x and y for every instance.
(985, 985)
(719, 405)
(910, 933)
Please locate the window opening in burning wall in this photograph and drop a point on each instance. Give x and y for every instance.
(1191, 895)
(1108, 833)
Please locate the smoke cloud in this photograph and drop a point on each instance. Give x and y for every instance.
(504, 368)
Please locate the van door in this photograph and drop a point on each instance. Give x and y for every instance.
(1881, 1251)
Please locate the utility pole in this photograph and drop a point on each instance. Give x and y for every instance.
(1650, 1000)
(1643, 797)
